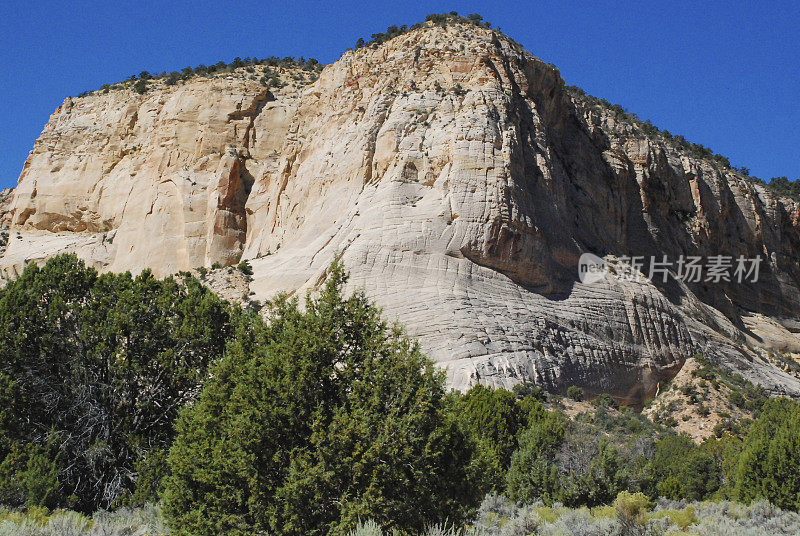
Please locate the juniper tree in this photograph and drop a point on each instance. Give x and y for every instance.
(315, 420)
(93, 370)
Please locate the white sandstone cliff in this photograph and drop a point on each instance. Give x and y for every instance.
(458, 180)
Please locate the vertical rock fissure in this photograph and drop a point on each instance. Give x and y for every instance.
(227, 224)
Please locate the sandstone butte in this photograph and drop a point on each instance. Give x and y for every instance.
(459, 181)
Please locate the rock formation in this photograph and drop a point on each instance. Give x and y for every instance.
(459, 181)
(5, 207)
(5, 217)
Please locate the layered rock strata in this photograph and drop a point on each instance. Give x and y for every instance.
(459, 181)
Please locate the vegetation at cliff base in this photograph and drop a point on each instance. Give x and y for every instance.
(320, 418)
(93, 371)
(769, 463)
(315, 420)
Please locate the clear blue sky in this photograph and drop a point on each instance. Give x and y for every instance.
(724, 74)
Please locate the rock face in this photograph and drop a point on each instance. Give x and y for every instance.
(458, 180)
(5, 217)
(158, 179)
(5, 207)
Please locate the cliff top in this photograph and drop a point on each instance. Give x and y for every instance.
(274, 72)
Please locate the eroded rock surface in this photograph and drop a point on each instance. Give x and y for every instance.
(5, 217)
(161, 178)
(458, 180)
(5, 206)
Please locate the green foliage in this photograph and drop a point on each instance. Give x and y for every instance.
(39, 479)
(604, 400)
(631, 507)
(769, 465)
(590, 459)
(172, 78)
(682, 518)
(743, 393)
(494, 418)
(140, 81)
(440, 19)
(93, 370)
(150, 468)
(245, 268)
(532, 474)
(140, 86)
(321, 416)
(496, 517)
(682, 470)
(784, 187)
(575, 393)
(590, 472)
(123, 522)
(526, 390)
(454, 17)
(315, 420)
